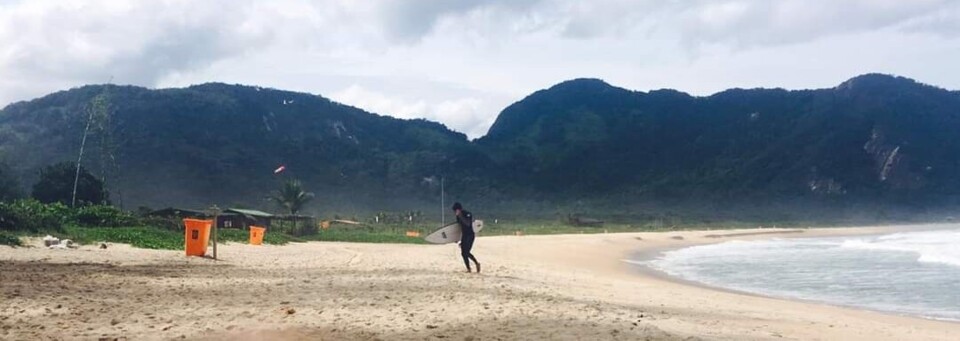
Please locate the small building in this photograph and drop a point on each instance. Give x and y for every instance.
(172, 217)
(237, 218)
(178, 213)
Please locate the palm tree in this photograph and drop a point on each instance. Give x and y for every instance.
(291, 197)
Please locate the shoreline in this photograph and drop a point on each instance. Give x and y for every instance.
(640, 262)
(871, 324)
(533, 287)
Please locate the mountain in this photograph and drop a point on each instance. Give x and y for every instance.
(218, 143)
(874, 137)
(579, 145)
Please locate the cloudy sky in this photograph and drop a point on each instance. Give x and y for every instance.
(460, 61)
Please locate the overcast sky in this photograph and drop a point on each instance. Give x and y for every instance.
(460, 62)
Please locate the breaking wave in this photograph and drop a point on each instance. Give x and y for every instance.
(915, 273)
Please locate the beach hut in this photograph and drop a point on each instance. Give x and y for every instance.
(237, 218)
(172, 217)
(177, 213)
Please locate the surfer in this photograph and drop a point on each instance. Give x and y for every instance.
(465, 219)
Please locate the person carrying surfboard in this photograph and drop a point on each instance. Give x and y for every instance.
(465, 219)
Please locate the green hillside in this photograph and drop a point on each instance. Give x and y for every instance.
(217, 143)
(580, 145)
(874, 137)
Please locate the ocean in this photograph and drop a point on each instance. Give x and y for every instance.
(911, 273)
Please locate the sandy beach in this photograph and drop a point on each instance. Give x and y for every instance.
(563, 287)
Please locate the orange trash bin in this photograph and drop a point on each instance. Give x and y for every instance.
(256, 235)
(197, 235)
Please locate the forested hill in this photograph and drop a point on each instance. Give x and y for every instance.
(217, 143)
(873, 138)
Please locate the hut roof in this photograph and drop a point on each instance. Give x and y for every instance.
(173, 211)
(251, 213)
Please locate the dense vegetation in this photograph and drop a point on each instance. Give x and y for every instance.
(103, 223)
(872, 136)
(85, 222)
(879, 146)
(56, 184)
(9, 187)
(218, 143)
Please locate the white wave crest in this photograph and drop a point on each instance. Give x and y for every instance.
(930, 247)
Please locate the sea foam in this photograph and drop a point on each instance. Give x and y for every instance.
(915, 273)
(932, 246)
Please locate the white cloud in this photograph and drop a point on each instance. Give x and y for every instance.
(379, 103)
(763, 23)
(72, 43)
(467, 115)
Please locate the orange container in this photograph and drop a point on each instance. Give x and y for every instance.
(197, 235)
(256, 235)
(413, 233)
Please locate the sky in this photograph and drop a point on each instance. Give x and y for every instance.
(460, 62)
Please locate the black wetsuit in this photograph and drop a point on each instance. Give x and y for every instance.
(465, 219)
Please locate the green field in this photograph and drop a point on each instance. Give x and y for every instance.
(159, 238)
(165, 239)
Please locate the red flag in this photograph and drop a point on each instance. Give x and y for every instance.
(279, 169)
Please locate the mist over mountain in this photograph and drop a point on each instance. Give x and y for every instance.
(579, 145)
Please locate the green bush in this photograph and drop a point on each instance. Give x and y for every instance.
(243, 236)
(56, 184)
(9, 239)
(156, 238)
(104, 216)
(142, 237)
(33, 216)
(161, 222)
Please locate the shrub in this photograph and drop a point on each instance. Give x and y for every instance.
(173, 224)
(142, 237)
(56, 184)
(7, 238)
(302, 227)
(33, 216)
(104, 216)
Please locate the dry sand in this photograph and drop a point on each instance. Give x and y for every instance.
(533, 287)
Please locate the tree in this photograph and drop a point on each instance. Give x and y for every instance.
(56, 185)
(9, 187)
(291, 196)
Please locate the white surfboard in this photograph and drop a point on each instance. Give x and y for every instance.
(451, 233)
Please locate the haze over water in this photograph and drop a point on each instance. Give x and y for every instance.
(916, 273)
